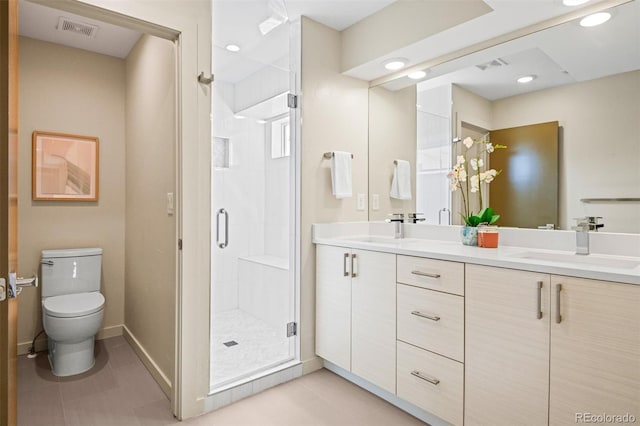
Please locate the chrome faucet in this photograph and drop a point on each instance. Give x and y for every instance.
(585, 224)
(413, 218)
(398, 219)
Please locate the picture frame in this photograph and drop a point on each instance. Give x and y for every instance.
(64, 167)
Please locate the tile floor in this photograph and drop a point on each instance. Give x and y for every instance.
(120, 392)
(259, 346)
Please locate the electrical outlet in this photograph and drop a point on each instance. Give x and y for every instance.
(362, 201)
(375, 202)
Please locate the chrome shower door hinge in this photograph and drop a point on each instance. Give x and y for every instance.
(292, 100)
(292, 329)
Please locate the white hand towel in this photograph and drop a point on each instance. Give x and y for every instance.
(341, 179)
(401, 184)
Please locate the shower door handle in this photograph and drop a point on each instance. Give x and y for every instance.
(226, 228)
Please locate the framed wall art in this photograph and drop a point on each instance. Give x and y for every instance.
(64, 167)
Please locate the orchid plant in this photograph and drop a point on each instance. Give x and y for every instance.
(468, 176)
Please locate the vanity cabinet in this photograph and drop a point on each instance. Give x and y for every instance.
(507, 316)
(430, 369)
(356, 312)
(595, 349)
(542, 349)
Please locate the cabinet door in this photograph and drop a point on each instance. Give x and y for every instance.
(333, 305)
(506, 347)
(373, 318)
(595, 350)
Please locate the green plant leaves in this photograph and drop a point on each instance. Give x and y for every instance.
(485, 215)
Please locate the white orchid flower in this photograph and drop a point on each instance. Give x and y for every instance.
(489, 147)
(476, 163)
(460, 160)
(468, 142)
(475, 185)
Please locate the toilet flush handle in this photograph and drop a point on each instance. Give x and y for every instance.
(46, 262)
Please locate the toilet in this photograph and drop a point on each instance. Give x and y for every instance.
(72, 307)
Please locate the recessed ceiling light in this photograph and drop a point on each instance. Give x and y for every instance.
(261, 121)
(239, 117)
(232, 47)
(417, 75)
(395, 64)
(526, 79)
(595, 19)
(574, 2)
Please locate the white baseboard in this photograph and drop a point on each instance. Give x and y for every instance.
(312, 364)
(42, 342)
(157, 374)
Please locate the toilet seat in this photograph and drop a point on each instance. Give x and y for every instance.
(73, 305)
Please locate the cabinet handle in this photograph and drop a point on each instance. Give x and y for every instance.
(354, 274)
(425, 274)
(421, 315)
(539, 308)
(424, 377)
(344, 264)
(558, 316)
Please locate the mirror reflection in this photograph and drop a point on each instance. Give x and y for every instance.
(585, 79)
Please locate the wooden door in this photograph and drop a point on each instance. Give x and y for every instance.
(525, 194)
(8, 205)
(506, 347)
(595, 350)
(373, 318)
(333, 305)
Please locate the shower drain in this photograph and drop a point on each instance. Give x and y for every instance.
(230, 343)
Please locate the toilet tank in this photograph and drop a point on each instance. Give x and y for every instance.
(70, 271)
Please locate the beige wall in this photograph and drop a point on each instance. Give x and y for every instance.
(72, 91)
(392, 135)
(150, 241)
(599, 149)
(334, 117)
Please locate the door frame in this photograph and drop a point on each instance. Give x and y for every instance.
(188, 24)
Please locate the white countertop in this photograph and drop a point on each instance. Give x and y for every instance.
(624, 269)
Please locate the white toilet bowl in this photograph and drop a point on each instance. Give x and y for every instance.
(71, 322)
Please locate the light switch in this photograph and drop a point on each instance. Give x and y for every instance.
(170, 204)
(362, 201)
(375, 202)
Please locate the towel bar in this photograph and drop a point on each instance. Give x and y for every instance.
(329, 155)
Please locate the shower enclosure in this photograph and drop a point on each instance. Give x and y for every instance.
(253, 329)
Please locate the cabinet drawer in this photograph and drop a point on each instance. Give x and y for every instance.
(431, 382)
(431, 320)
(438, 275)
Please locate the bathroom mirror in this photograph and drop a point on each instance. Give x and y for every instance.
(587, 79)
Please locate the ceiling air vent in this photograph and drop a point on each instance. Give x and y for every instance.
(492, 64)
(75, 27)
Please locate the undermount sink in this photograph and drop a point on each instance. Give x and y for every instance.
(580, 259)
(378, 239)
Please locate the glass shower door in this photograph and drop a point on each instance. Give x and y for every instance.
(252, 288)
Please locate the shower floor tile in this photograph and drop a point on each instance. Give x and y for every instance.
(259, 346)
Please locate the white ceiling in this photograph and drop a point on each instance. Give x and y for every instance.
(559, 55)
(41, 22)
(547, 54)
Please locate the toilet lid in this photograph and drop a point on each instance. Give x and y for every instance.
(73, 305)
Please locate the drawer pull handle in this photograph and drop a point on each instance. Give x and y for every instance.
(419, 375)
(344, 264)
(558, 314)
(421, 315)
(539, 304)
(425, 274)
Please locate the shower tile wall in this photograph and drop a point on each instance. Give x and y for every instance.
(239, 190)
(255, 191)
